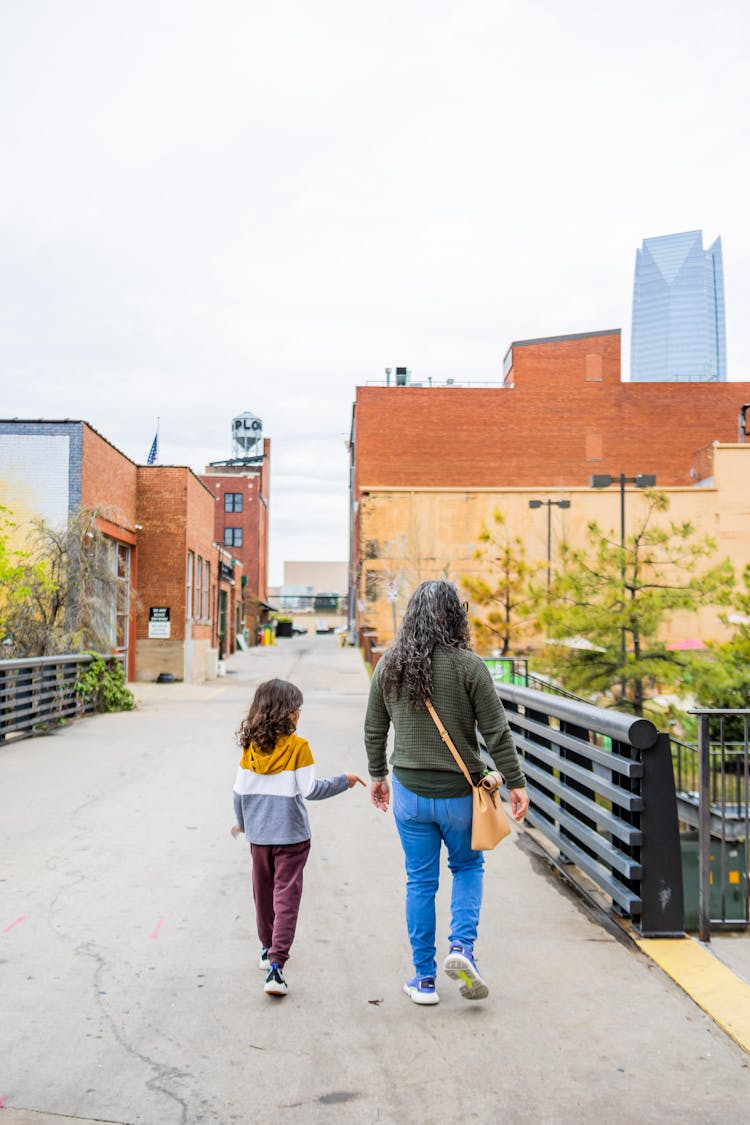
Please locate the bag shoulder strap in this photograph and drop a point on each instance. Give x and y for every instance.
(449, 742)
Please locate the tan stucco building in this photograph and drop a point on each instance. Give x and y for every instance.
(409, 534)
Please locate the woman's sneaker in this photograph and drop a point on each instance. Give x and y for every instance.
(422, 990)
(459, 965)
(275, 984)
(263, 962)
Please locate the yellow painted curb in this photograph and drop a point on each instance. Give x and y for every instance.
(714, 987)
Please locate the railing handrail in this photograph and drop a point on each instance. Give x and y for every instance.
(36, 691)
(638, 732)
(35, 661)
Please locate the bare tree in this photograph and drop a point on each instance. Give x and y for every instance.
(70, 589)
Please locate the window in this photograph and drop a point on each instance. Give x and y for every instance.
(207, 592)
(232, 536)
(198, 587)
(232, 501)
(123, 596)
(189, 598)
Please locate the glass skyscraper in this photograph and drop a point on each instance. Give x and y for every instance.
(678, 331)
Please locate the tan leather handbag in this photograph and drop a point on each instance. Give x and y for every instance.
(489, 820)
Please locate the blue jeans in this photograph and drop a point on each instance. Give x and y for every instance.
(423, 822)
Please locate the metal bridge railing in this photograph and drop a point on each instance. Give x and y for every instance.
(35, 691)
(602, 789)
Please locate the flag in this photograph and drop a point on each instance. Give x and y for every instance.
(153, 452)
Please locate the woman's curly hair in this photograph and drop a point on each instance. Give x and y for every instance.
(433, 616)
(270, 716)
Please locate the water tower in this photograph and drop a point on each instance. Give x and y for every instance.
(247, 437)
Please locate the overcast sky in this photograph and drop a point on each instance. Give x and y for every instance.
(221, 206)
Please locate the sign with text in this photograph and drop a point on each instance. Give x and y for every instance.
(159, 625)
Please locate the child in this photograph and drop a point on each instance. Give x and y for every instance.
(275, 772)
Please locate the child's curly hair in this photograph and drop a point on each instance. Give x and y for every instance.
(270, 715)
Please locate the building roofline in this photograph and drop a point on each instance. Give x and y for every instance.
(568, 336)
(70, 422)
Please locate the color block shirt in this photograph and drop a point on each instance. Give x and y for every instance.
(269, 791)
(464, 697)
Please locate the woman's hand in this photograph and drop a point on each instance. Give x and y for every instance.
(380, 794)
(519, 803)
(353, 778)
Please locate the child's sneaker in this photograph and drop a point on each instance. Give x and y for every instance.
(263, 962)
(275, 984)
(421, 990)
(460, 965)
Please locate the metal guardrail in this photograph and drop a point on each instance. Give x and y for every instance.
(35, 691)
(602, 789)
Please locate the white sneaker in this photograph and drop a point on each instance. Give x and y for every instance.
(421, 990)
(263, 962)
(275, 984)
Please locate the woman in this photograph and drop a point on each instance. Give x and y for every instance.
(430, 659)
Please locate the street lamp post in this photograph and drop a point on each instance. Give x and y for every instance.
(550, 505)
(641, 480)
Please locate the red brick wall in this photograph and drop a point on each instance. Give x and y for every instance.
(109, 483)
(253, 519)
(538, 431)
(176, 515)
(108, 480)
(199, 538)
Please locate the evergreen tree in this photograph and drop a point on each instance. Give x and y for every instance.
(722, 678)
(504, 603)
(614, 602)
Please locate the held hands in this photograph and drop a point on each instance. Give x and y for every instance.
(519, 803)
(380, 794)
(352, 779)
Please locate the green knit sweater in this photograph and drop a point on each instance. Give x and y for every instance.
(464, 697)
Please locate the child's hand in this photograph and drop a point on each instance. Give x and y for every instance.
(236, 831)
(352, 780)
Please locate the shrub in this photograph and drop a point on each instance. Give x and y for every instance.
(102, 684)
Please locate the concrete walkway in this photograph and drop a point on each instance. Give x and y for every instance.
(128, 979)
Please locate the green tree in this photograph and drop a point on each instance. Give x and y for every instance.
(722, 678)
(14, 580)
(503, 599)
(63, 592)
(614, 602)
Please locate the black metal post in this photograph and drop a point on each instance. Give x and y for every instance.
(704, 830)
(549, 547)
(623, 648)
(663, 913)
(550, 504)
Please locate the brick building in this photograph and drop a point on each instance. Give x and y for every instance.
(191, 584)
(559, 415)
(180, 590)
(240, 486)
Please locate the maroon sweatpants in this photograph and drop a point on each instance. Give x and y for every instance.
(277, 891)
